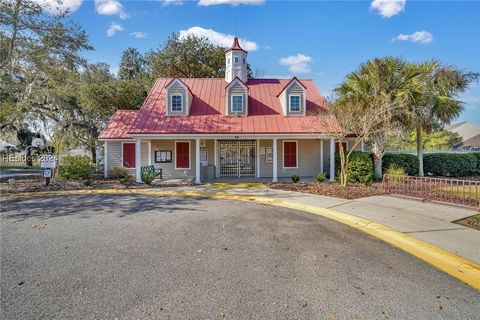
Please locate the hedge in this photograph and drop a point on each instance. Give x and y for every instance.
(360, 167)
(450, 164)
(408, 162)
(477, 155)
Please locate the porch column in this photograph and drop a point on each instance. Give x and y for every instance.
(105, 157)
(215, 161)
(197, 161)
(275, 158)
(149, 142)
(257, 166)
(332, 160)
(138, 159)
(362, 147)
(321, 156)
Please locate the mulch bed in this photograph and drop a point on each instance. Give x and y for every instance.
(351, 191)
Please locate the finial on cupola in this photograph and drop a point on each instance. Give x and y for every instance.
(236, 62)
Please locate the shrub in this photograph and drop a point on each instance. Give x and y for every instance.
(121, 174)
(408, 162)
(118, 172)
(321, 177)
(295, 178)
(360, 167)
(76, 167)
(148, 177)
(477, 155)
(450, 164)
(396, 170)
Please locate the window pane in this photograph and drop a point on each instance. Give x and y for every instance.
(177, 103)
(294, 103)
(237, 104)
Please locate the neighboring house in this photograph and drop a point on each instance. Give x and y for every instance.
(470, 134)
(232, 127)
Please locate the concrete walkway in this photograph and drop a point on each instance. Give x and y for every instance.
(430, 222)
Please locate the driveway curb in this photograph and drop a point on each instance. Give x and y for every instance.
(458, 267)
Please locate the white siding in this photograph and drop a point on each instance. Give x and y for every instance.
(114, 155)
(308, 159)
(169, 171)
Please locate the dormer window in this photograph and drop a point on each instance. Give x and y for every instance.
(294, 105)
(293, 98)
(237, 104)
(177, 105)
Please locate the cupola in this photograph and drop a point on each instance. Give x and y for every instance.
(236, 63)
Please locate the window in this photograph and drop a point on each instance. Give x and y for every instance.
(128, 155)
(228, 61)
(290, 154)
(235, 59)
(237, 103)
(182, 155)
(244, 61)
(294, 103)
(177, 104)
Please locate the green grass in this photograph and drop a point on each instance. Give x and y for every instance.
(469, 193)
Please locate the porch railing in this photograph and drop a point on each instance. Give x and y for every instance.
(464, 193)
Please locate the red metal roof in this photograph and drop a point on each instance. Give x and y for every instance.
(119, 124)
(236, 45)
(207, 111)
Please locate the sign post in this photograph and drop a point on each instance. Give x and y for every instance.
(48, 162)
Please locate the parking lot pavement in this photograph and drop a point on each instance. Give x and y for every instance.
(145, 257)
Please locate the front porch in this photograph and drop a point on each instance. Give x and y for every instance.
(225, 158)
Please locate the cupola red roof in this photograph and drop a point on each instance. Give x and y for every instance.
(236, 45)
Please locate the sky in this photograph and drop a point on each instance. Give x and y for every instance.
(319, 40)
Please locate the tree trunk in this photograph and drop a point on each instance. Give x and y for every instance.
(93, 150)
(378, 151)
(420, 152)
(28, 157)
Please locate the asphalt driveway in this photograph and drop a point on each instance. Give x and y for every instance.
(144, 257)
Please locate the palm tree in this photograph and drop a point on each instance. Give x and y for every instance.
(440, 88)
(387, 82)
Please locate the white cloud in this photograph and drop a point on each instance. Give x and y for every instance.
(113, 29)
(110, 8)
(297, 63)
(218, 38)
(138, 34)
(172, 2)
(422, 37)
(230, 2)
(388, 8)
(54, 7)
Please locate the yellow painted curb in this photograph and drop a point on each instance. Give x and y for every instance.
(458, 267)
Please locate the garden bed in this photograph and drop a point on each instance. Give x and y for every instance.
(472, 222)
(351, 191)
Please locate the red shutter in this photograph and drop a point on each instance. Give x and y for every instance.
(129, 155)
(183, 155)
(290, 154)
